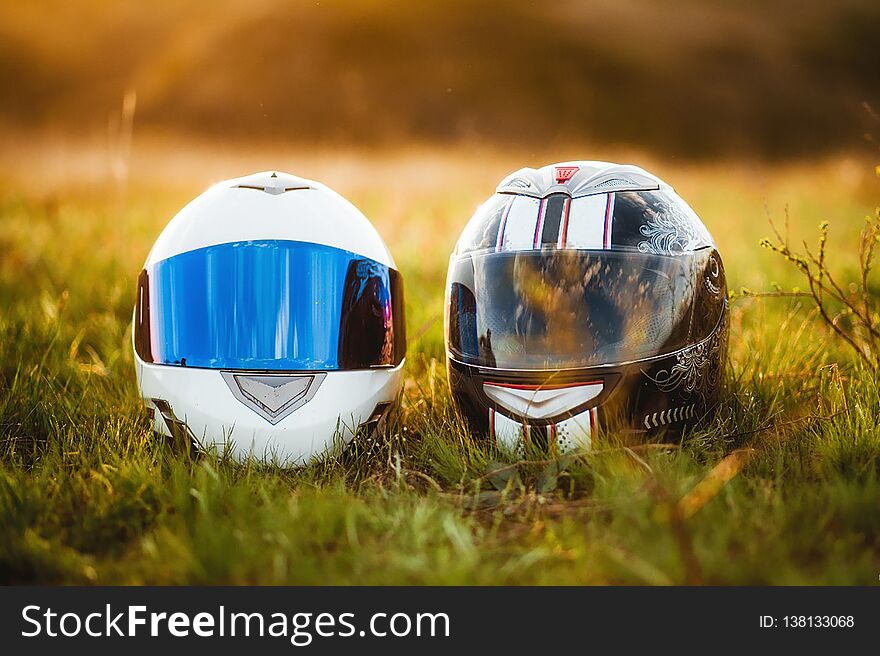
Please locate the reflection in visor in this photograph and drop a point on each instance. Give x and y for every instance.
(270, 305)
(568, 308)
(364, 337)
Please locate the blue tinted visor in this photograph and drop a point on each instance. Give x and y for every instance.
(270, 305)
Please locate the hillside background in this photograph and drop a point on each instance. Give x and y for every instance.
(692, 79)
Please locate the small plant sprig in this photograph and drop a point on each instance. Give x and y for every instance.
(851, 309)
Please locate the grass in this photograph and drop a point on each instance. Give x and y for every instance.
(783, 487)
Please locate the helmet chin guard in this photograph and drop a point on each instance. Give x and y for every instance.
(584, 296)
(269, 321)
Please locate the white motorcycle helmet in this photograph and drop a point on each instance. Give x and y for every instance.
(269, 321)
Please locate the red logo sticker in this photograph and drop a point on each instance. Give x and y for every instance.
(565, 173)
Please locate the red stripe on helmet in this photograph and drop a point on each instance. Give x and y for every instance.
(609, 212)
(563, 231)
(544, 386)
(542, 208)
(500, 241)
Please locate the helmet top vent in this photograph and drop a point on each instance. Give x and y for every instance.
(615, 182)
(271, 189)
(578, 178)
(521, 183)
(272, 182)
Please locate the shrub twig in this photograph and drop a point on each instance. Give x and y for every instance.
(853, 315)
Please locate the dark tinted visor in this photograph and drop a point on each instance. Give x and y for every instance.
(279, 305)
(570, 308)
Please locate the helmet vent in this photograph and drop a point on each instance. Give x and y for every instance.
(520, 183)
(273, 396)
(542, 402)
(615, 182)
(271, 189)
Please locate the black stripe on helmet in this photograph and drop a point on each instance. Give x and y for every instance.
(553, 218)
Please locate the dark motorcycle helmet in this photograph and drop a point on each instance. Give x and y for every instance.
(584, 296)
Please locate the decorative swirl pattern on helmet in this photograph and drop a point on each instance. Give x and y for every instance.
(669, 229)
(698, 368)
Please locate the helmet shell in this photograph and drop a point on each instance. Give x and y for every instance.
(584, 295)
(289, 207)
(269, 321)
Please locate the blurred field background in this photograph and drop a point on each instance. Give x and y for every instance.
(115, 114)
(687, 78)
